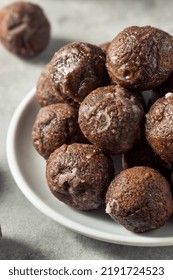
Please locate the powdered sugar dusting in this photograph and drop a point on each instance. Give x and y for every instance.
(106, 121)
(112, 205)
(169, 94)
(67, 63)
(70, 176)
(86, 110)
(108, 208)
(136, 109)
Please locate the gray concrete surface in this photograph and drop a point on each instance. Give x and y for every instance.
(27, 233)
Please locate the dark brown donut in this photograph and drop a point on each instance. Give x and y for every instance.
(54, 126)
(74, 71)
(140, 199)
(111, 118)
(79, 175)
(24, 29)
(140, 57)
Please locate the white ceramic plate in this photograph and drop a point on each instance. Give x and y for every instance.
(28, 170)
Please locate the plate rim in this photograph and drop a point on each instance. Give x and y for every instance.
(47, 210)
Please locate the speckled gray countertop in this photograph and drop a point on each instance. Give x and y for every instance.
(27, 233)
